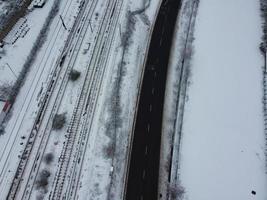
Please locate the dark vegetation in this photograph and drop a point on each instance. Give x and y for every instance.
(176, 192)
(263, 7)
(42, 180)
(5, 90)
(74, 75)
(59, 121)
(10, 8)
(2, 129)
(263, 46)
(115, 119)
(49, 158)
(34, 51)
(109, 150)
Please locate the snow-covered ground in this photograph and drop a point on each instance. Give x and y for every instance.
(14, 55)
(102, 173)
(106, 157)
(177, 77)
(222, 145)
(26, 106)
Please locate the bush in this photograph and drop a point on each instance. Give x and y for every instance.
(40, 197)
(74, 75)
(2, 129)
(176, 192)
(59, 121)
(109, 150)
(5, 90)
(49, 158)
(42, 180)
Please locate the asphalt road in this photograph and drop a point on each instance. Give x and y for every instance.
(144, 164)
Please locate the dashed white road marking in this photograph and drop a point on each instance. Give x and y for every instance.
(144, 174)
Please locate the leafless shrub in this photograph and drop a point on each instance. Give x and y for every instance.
(263, 8)
(5, 90)
(40, 197)
(2, 129)
(42, 180)
(59, 121)
(263, 47)
(49, 157)
(10, 8)
(74, 75)
(176, 192)
(109, 150)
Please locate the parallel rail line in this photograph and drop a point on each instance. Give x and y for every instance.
(25, 156)
(91, 86)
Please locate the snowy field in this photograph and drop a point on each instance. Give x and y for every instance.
(222, 146)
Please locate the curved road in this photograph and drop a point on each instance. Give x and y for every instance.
(144, 164)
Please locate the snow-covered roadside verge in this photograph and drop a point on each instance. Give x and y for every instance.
(127, 84)
(263, 47)
(177, 81)
(222, 146)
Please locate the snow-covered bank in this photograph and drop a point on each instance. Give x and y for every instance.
(177, 78)
(222, 147)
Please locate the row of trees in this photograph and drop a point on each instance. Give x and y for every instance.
(34, 51)
(263, 8)
(263, 46)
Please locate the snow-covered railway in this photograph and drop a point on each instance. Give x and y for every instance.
(70, 61)
(45, 132)
(79, 109)
(70, 189)
(27, 102)
(26, 105)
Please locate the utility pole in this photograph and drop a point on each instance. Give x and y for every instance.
(63, 22)
(90, 26)
(120, 29)
(12, 70)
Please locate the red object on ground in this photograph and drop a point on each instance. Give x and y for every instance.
(6, 106)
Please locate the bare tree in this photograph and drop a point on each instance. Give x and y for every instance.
(49, 157)
(5, 90)
(176, 191)
(42, 180)
(74, 75)
(59, 121)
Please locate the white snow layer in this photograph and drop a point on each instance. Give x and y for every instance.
(222, 149)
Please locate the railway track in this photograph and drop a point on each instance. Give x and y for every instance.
(4, 158)
(83, 139)
(59, 97)
(84, 107)
(31, 141)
